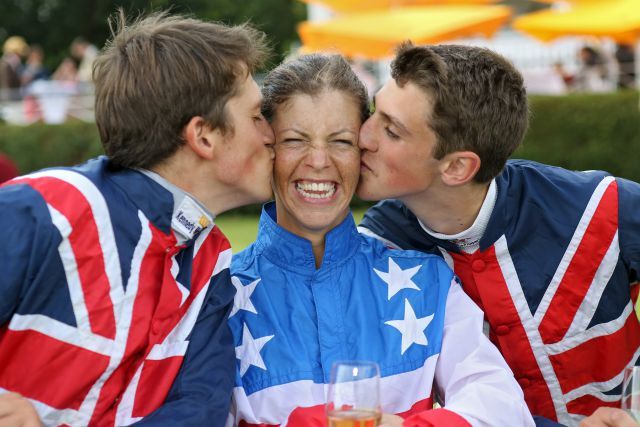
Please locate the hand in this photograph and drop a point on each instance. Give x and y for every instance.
(609, 417)
(389, 420)
(16, 411)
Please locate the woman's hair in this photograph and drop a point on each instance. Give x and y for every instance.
(311, 75)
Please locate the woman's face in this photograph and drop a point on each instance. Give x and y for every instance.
(317, 161)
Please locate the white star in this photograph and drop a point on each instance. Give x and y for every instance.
(249, 351)
(242, 299)
(411, 328)
(397, 278)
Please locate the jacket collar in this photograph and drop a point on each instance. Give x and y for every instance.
(293, 252)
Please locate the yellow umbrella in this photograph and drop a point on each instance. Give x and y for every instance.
(360, 5)
(374, 34)
(618, 19)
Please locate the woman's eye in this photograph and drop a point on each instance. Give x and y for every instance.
(344, 141)
(390, 133)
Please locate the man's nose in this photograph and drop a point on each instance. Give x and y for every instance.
(365, 139)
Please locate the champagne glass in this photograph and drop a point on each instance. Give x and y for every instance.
(354, 395)
(631, 392)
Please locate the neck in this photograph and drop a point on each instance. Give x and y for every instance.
(194, 176)
(451, 211)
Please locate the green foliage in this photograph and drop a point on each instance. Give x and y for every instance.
(586, 131)
(38, 146)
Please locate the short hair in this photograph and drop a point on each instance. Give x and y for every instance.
(310, 75)
(157, 73)
(479, 100)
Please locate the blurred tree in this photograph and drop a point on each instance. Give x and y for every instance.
(55, 23)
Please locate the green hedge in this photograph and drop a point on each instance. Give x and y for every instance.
(38, 146)
(576, 132)
(583, 132)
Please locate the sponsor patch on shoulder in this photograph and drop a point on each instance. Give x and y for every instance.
(189, 218)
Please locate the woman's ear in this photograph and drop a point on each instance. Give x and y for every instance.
(200, 138)
(459, 167)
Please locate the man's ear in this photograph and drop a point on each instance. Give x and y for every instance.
(459, 167)
(200, 138)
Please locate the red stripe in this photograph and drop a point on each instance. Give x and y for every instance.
(598, 359)
(582, 268)
(85, 244)
(155, 382)
(315, 416)
(587, 405)
(489, 290)
(45, 369)
(436, 418)
(148, 323)
(204, 263)
(419, 406)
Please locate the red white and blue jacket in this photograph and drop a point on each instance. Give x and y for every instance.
(104, 317)
(401, 309)
(556, 275)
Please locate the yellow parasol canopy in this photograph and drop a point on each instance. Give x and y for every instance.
(374, 34)
(362, 5)
(618, 19)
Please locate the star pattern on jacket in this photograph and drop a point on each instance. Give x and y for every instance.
(411, 327)
(242, 300)
(397, 278)
(249, 351)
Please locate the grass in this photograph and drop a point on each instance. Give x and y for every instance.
(241, 230)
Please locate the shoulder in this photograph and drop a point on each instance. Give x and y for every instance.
(380, 253)
(528, 180)
(529, 171)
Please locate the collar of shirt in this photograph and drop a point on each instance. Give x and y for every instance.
(469, 240)
(189, 216)
(293, 252)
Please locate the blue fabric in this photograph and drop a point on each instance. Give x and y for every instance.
(33, 282)
(335, 312)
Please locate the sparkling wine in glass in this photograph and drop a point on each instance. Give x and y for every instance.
(631, 392)
(354, 395)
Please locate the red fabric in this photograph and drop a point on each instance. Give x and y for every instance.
(436, 418)
(85, 244)
(496, 301)
(29, 356)
(313, 416)
(8, 169)
(579, 366)
(587, 405)
(577, 279)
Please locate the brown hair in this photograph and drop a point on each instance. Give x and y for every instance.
(310, 75)
(479, 100)
(157, 73)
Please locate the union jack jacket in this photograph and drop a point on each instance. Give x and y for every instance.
(105, 319)
(556, 275)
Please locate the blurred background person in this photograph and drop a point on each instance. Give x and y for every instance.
(625, 57)
(86, 53)
(34, 68)
(593, 74)
(14, 49)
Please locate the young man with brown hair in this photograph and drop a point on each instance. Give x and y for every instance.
(115, 284)
(551, 256)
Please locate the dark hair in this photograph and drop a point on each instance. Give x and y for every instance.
(310, 75)
(157, 73)
(479, 100)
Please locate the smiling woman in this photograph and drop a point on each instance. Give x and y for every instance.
(311, 290)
